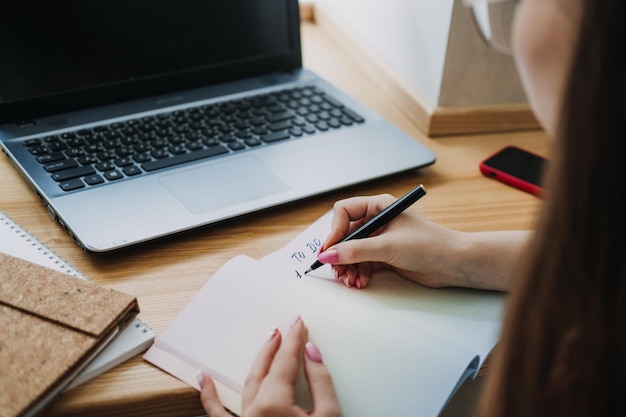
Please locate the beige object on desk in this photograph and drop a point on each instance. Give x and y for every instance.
(430, 58)
(51, 326)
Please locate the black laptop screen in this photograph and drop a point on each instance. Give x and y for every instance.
(77, 53)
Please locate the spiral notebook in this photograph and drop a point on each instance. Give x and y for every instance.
(134, 339)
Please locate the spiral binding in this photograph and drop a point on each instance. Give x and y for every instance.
(35, 243)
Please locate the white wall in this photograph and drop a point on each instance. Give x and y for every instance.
(433, 49)
(410, 36)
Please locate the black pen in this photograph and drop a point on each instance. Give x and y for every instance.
(381, 218)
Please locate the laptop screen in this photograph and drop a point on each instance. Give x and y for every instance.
(57, 56)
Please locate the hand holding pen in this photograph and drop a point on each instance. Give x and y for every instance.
(359, 209)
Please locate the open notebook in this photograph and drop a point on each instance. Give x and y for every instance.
(131, 341)
(394, 348)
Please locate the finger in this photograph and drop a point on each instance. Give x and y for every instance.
(260, 367)
(339, 271)
(357, 275)
(340, 227)
(288, 360)
(208, 396)
(325, 402)
(364, 273)
(350, 213)
(350, 275)
(372, 249)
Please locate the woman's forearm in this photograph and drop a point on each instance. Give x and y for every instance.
(486, 260)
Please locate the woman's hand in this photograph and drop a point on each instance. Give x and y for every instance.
(269, 389)
(418, 249)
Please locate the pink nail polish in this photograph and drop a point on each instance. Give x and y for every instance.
(328, 257)
(357, 282)
(346, 281)
(294, 321)
(272, 334)
(312, 352)
(200, 378)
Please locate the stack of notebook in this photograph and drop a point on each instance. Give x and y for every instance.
(56, 330)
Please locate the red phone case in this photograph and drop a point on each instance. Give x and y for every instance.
(509, 179)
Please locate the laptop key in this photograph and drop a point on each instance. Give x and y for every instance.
(87, 159)
(94, 179)
(184, 158)
(334, 123)
(353, 116)
(113, 175)
(346, 121)
(57, 145)
(105, 166)
(32, 142)
(50, 157)
(59, 165)
(38, 150)
(274, 127)
(67, 174)
(132, 170)
(72, 184)
(276, 136)
(322, 125)
(279, 117)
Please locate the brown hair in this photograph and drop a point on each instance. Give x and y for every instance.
(563, 345)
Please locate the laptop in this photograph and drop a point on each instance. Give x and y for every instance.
(136, 120)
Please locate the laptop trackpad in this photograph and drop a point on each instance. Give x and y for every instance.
(223, 184)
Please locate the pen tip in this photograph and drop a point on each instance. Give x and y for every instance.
(307, 271)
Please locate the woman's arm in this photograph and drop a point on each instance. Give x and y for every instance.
(419, 249)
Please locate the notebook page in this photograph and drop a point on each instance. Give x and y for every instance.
(379, 366)
(467, 318)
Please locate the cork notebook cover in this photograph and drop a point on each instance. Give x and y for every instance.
(51, 326)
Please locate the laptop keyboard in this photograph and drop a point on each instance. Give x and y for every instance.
(112, 152)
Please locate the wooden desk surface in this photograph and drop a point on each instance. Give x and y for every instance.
(166, 274)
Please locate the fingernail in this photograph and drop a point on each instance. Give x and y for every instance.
(200, 378)
(272, 334)
(346, 281)
(328, 257)
(357, 282)
(336, 273)
(312, 352)
(294, 321)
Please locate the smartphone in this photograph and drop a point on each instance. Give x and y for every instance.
(516, 167)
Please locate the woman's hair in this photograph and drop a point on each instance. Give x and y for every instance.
(563, 345)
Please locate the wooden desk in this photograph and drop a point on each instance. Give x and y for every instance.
(166, 274)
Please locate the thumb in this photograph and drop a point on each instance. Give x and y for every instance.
(208, 395)
(325, 402)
